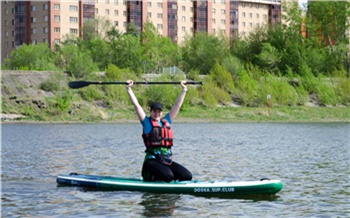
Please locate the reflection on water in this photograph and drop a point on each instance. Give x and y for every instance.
(312, 160)
(158, 205)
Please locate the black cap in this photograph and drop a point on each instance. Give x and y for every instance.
(156, 105)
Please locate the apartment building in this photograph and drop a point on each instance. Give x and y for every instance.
(53, 21)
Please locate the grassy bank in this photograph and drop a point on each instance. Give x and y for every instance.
(45, 97)
(198, 114)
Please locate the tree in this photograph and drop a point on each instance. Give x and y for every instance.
(75, 60)
(158, 51)
(202, 51)
(127, 53)
(31, 57)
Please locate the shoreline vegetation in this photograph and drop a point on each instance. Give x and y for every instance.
(26, 99)
(300, 114)
(301, 77)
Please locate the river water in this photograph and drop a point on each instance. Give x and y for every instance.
(311, 159)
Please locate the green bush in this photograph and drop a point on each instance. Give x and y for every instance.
(63, 101)
(326, 93)
(92, 93)
(278, 88)
(222, 78)
(245, 89)
(211, 94)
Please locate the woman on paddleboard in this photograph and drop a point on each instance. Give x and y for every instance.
(158, 139)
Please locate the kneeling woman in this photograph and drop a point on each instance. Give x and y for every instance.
(157, 136)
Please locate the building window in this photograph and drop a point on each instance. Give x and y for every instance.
(115, 2)
(149, 4)
(56, 6)
(73, 19)
(243, 4)
(56, 18)
(183, 18)
(7, 33)
(33, 19)
(6, 44)
(213, 10)
(265, 16)
(159, 5)
(250, 24)
(33, 8)
(243, 14)
(223, 21)
(46, 41)
(116, 12)
(183, 8)
(107, 12)
(124, 24)
(96, 10)
(250, 15)
(45, 30)
(116, 23)
(107, 1)
(56, 29)
(183, 29)
(243, 23)
(57, 41)
(257, 5)
(222, 11)
(124, 13)
(34, 42)
(46, 18)
(45, 7)
(149, 14)
(159, 15)
(73, 31)
(159, 26)
(33, 31)
(73, 8)
(213, 20)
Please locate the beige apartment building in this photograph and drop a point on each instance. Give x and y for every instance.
(53, 21)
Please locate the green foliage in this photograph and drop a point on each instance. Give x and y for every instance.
(222, 78)
(128, 53)
(158, 51)
(113, 73)
(202, 51)
(342, 89)
(280, 91)
(63, 101)
(92, 93)
(326, 94)
(245, 89)
(269, 58)
(211, 94)
(233, 65)
(76, 61)
(31, 57)
(53, 83)
(193, 74)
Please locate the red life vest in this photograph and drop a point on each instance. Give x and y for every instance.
(160, 136)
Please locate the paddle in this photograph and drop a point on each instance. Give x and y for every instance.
(81, 84)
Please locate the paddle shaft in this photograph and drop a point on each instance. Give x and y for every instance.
(81, 84)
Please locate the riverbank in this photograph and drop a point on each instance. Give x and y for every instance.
(41, 97)
(219, 115)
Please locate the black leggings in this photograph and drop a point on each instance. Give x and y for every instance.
(153, 170)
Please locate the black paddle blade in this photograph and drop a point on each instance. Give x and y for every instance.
(78, 84)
